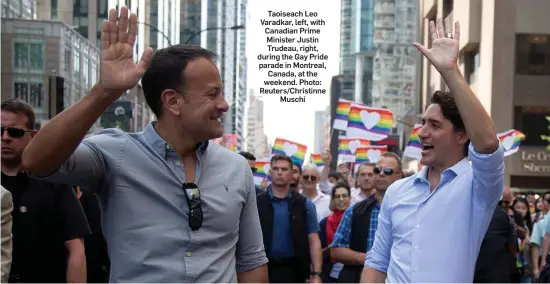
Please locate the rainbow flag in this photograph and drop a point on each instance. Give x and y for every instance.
(369, 154)
(369, 123)
(414, 147)
(347, 148)
(317, 159)
(230, 141)
(342, 112)
(295, 151)
(262, 170)
(510, 140)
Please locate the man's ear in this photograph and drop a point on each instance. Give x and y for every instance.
(463, 137)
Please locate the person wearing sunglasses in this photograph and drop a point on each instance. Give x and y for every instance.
(178, 208)
(355, 235)
(49, 225)
(310, 180)
(290, 228)
(442, 212)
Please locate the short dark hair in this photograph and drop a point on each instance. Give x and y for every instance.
(340, 185)
(166, 71)
(449, 109)
(366, 164)
(396, 158)
(20, 107)
(248, 156)
(281, 157)
(336, 175)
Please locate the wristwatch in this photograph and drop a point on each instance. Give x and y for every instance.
(316, 273)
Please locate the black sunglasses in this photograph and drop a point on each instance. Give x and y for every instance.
(193, 196)
(14, 132)
(309, 178)
(387, 171)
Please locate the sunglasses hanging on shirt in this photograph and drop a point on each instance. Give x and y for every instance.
(193, 196)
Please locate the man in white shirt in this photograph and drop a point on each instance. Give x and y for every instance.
(310, 178)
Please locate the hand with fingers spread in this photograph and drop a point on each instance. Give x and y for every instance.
(118, 71)
(444, 51)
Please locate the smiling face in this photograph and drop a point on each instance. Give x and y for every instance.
(442, 144)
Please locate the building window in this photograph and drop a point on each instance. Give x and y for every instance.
(532, 54)
(32, 93)
(21, 91)
(531, 120)
(447, 7)
(28, 55)
(471, 65)
(54, 10)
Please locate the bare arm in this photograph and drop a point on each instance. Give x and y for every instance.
(76, 262)
(545, 249)
(256, 275)
(443, 55)
(315, 252)
(371, 275)
(348, 256)
(54, 144)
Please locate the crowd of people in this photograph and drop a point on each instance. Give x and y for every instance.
(167, 205)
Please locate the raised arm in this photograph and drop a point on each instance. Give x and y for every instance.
(443, 55)
(57, 140)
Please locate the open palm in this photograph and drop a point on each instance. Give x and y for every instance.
(118, 71)
(444, 51)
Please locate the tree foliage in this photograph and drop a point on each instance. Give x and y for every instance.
(547, 137)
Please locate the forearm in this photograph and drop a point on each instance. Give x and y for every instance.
(256, 275)
(371, 275)
(348, 256)
(316, 255)
(545, 247)
(479, 126)
(76, 268)
(535, 256)
(58, 139)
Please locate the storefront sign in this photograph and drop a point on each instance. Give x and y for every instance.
(535, 162)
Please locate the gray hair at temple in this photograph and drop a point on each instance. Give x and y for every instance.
(312, 167)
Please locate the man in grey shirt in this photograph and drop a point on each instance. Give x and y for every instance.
(176, 207)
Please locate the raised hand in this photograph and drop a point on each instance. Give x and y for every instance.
(118, 71)
(444, 52)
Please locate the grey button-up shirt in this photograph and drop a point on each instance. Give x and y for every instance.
(139, 178)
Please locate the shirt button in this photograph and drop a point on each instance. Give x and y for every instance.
(188, 253)
(416, 247)
(418, 226)
(178, 163)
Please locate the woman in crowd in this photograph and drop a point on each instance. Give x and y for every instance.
(524, 226)
(340, 201)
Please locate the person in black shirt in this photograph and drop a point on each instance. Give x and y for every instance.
(48, 221)
(98, 264)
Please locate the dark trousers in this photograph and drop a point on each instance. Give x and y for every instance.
(284, 271)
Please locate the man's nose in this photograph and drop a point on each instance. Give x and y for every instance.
(6, 137)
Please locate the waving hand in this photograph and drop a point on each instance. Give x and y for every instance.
(444, 52)
(118, 71)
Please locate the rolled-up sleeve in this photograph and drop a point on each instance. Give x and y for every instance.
(379, 256)
(311, 216)
(85, 167)
(488, 176)
(250, 246)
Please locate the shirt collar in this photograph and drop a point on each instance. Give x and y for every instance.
(161, 146)
(456, 170)
(272, 197)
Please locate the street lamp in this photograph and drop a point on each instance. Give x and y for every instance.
(239, 27)
(157, 30)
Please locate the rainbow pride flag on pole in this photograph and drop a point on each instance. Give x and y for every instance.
(414, 147)
(510, 140)
(295, 151)
(342, 112)
(262, 170)
(347, 148)
(317, 159)
(369, 123)
(369, 154)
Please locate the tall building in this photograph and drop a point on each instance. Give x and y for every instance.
(319, 131)
(19, 9)
(241, 76)
(396, 60)
(256, 140)
(190, 22)
(509, 71)
(158, 27)
(47, 64)
(356, 49)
